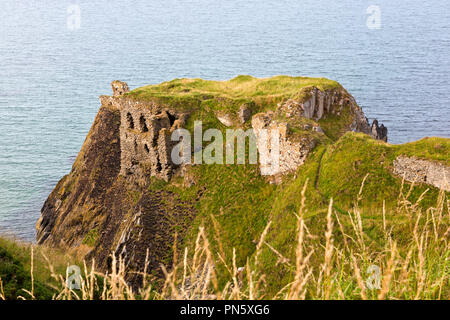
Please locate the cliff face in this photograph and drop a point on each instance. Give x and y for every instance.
(105, 205)
(84, 191)
(122, 195)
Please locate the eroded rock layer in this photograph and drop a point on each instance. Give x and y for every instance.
(291, 115)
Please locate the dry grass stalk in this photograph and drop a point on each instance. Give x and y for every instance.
(418, 269)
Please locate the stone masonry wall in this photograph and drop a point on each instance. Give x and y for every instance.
(145, 131)
(292, 153)
(423, 171)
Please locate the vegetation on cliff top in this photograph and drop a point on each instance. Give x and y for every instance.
(240, 87)
(205, 99)
(230, 94)
(345, 164)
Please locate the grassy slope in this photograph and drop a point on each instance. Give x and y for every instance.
(259, 94)
(241, 202)
(15, 269)
(343, 166)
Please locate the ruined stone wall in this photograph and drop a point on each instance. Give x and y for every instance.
(317, 105)
(145, 131)
(423, 171)
(145, 143)
(292, 152)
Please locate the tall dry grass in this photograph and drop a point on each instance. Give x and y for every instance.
(412, 258)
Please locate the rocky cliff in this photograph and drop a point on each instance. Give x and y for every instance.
(125, 195)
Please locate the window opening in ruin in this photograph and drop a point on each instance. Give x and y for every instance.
(143, 124)
(171, 118)
(130, 121)
(155, 140)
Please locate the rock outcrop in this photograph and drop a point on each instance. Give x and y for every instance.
(110, 202)
(225, 118)
(83, 191)
(417, 170)
(314, 105)
(119, 88)
(378, 132)
(244, 114)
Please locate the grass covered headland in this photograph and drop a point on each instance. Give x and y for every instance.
(343, 225)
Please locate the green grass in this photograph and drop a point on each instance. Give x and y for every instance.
(231, 94)
(355, 155)
(433, 148)
(15, 269)
(241, 87)
(235, 197)
(236, 204)
(337, 171)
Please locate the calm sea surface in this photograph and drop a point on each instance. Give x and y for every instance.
(53, 69)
